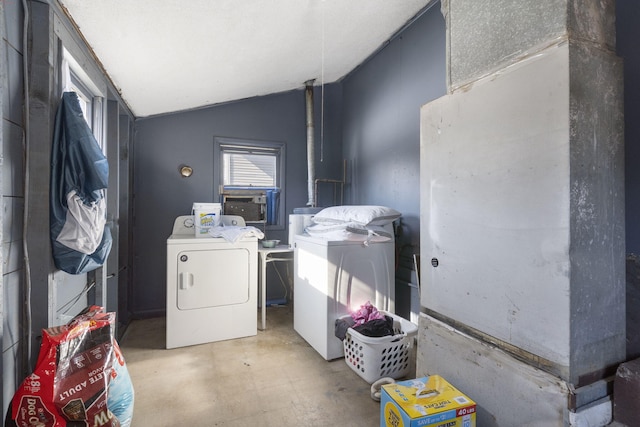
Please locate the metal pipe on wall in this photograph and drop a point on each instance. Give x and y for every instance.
(311, 168)
(335, 182)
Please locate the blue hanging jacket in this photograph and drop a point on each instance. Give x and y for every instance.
(80, 238)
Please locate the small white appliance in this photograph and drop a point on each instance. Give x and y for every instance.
(334, 278)
(299, 220)
(211, 285)
(297, 224)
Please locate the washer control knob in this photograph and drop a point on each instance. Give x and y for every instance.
(184, 258)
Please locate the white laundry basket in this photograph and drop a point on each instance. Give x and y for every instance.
(376, 357)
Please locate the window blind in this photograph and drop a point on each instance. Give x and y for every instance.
(249, 170)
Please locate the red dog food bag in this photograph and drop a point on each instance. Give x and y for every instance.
(68, 387)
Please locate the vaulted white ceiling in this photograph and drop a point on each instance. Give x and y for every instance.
(172, 55)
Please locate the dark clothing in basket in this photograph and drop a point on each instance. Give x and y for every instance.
(372, 328)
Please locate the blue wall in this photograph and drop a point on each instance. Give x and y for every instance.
(628, 16)
(381, 133)
(163, 143)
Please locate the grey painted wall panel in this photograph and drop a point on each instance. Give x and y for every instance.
(11, 80)
(13, 255)
(15, 91)
(13, 163)
(13, 211)
(3, 135)
(12, 335)
(3, 75)
(124, 222)
(13, 17)
(113, 200)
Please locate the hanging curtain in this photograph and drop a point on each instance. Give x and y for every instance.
(80, 239)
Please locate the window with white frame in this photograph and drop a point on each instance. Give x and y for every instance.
(85, 97)
(251, 172)
(75, 79)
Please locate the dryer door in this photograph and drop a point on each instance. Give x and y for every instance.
(212, 277)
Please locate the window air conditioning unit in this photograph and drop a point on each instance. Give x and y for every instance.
(254, 205)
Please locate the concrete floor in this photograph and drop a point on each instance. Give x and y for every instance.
(272, 379)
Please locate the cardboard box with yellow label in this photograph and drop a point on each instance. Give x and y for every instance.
(426, 402)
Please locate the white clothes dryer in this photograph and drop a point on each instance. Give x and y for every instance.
(211, 285)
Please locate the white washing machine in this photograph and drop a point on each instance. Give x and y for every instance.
(211, 285)
(334, 278)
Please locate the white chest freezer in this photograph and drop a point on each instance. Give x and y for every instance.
(333, 278)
